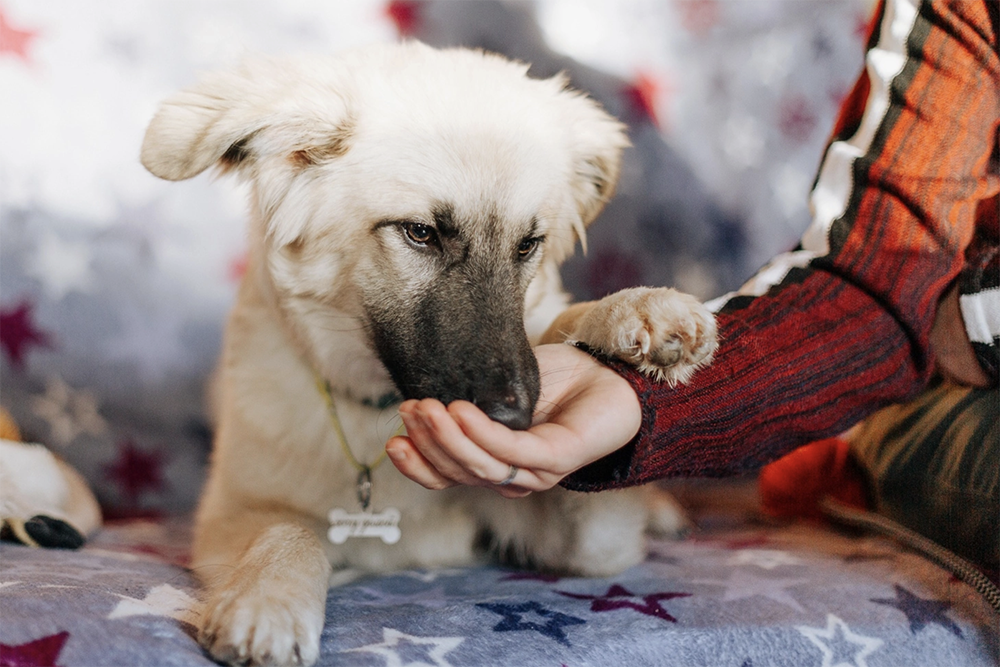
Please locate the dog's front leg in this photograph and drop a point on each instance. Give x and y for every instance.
(266, 604)
(664, 333)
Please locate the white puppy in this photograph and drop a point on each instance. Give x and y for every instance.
(409, 211)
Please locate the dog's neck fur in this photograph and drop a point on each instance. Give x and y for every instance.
(331, 343)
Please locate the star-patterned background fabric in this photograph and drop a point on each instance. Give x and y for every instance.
(736, 594)
(114, 285)
(114, 288)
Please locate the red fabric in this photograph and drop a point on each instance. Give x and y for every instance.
(793, 485)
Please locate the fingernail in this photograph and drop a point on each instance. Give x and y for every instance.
(397, 455)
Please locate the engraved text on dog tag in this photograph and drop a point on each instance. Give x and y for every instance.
(384, 524)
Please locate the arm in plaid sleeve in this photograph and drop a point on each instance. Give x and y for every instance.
(832, 331)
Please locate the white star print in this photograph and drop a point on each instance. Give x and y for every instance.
(767, 559)
(68, 412)
(790, 186)
(742, 141)
(427, 576)
(390, 640)
(742, 584)
(433, 598)
(150, 340)
(772, 58)
(61, 266)
(164, 600)
(868, 645)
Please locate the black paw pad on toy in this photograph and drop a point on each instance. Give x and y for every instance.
(43, 531)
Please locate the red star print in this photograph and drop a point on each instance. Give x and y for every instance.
(837, 94)
(238, 267)
(747, 542)
(618, 597)
(863, 27)
(406, 14)
(795, 118)
(640, 97)
(136, 471)
(14, 41)
(698, 16)
(18, 333)
(40, 653)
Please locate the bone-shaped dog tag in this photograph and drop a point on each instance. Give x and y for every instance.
(384, 524)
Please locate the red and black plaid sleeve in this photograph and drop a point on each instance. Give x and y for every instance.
(838, 328)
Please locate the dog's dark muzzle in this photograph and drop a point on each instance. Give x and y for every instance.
(506, 391)
(511, 404)
(450, 350)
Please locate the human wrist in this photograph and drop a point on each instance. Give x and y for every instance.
(621, 384)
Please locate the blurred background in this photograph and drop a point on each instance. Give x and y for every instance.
(114, 286)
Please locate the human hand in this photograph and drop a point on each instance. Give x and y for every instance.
(585, 412)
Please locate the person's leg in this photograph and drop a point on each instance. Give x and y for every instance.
(934, 466)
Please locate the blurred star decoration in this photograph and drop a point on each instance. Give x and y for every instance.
(19, 333)
(69, 412)
(136, 472)
(15, 42)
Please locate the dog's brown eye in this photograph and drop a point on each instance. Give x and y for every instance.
(420, 234)
(527, 247)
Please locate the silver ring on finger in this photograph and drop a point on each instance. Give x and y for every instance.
(509, 479)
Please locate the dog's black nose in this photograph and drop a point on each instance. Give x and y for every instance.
(512, 408)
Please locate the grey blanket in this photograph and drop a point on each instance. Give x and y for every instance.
(744, 594)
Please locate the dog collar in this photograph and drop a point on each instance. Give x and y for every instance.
(365, 470)
(343, 524)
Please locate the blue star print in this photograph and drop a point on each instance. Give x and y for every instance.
(513, 619)
(919, 612)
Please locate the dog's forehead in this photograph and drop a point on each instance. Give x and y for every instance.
(498, 150)
(479, 172)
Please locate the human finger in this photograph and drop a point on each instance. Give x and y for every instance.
(409, 461)
(439, 424)
(438, 430)
(426, 443)
(512, 491)
(524, 449)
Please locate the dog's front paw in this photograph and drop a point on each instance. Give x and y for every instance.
(254, 627)
(260, 629)
(664, 333)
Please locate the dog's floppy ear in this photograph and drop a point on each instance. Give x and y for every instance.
(237, 117)
(597, 143)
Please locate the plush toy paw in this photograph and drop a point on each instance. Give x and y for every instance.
(43, 501)
(42, 531)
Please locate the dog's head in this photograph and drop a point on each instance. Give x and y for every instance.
(427, 195)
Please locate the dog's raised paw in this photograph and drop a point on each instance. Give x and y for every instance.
(261, 630)
(664, 333)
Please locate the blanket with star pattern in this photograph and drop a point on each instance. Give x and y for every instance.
(734, 594)
(114, 287)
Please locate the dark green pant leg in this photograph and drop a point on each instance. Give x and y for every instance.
(934, 466)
